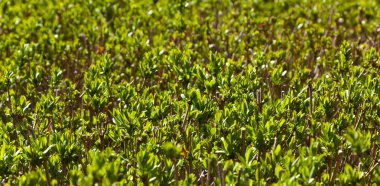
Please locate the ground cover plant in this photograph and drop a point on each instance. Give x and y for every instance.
(206, 92)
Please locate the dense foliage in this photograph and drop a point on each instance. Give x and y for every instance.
(246, 92)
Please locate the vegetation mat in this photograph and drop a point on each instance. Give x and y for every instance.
(207, 92)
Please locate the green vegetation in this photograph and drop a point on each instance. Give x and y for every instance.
(223, 92)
